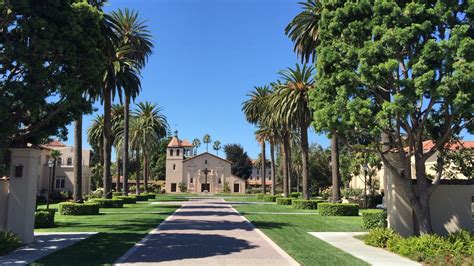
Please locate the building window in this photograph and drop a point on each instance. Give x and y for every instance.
(177, 152)
(205, 161)
(258, 172)
(60, 182)
(191, 180)
(173, 187)
(219, 180)
(258, 178)
(69, 161)
(171, 152)
(60, 161)
(174, 166)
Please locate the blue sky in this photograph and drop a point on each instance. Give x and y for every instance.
(208, 55)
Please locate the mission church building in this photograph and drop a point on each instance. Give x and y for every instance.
(199, 173)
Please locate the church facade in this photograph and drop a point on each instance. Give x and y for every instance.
(198, 173)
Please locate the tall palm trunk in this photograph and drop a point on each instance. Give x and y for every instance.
(119, 173)
(288, 167)
(272, 159)
(336, 194)
(145, 171)
(304, 163)
(137, 179)
(77, 195)
(264, 174)
(107, 144)
(54, 175)
(285, 148)
(126, 121)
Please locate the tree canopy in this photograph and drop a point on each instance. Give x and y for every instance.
(241, 163)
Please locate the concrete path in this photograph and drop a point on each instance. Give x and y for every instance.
(372, 255)
(206, 232)
(44, 244)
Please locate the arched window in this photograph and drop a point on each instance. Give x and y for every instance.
(60, 161)
(205, 161)
(177, 152)
(171, 152)
(69, 161)
(174, 166)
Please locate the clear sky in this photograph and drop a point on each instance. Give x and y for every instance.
(208, 55)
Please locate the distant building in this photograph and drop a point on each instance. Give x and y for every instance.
(64, 176)
(256, 179)
(199, 173)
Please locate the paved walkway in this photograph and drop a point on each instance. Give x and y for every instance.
(355, 247)
(206, 232)
(44, 244)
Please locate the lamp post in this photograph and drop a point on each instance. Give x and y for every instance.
(50, 165)
(366, 170)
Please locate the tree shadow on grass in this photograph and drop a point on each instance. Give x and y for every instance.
(173, 247)
(269, 225)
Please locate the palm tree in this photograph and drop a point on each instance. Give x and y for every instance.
(95, 135)
(135, 34)
(55, 155)
(117, 117)
(261, 137)
(303, 30)
(151, 127)
(196, 145)
(291, 102)
(217, 146)
(77, 194)
(206, 139)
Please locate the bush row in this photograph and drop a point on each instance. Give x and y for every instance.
(142, 197)
(284, 201)
(306, 204)
(44, 218)
(338, 209)
(109, 203)
(374, 219)
(295, 195)
(127, 199)
(455, 249)
(71, 208)
(8, 242)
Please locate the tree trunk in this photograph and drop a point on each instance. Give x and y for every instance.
(125, 161)
(285, 166)
(107, 145)
(53, 177)
(77, 195)
(137, 179)
(272, 160)
(288, 167)
(336, 193)
(264, 174)
(117, 185)
(145, 172)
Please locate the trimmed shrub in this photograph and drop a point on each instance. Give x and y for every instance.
(338, 209)
(71, 208)
(269, 198)
(306, 204)
(8, 242)
(142, 197)
(284, 201)
(374, 219)
(44, 218)
(317, 198)
(259, 196)
(127, 199)
(150, 195)
(295, 195)
(116, 194)
(379, 237)
(109, 203)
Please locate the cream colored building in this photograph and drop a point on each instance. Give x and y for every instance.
(256, 179)
(198, 173)
(358, 181)
(64, 173)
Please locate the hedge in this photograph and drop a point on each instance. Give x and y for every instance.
(259, 196)
(8, 242)
(44, 218)
(71, 208)
(269, 198)
(338, 209)
(116, 194)
(295, 195)
(306, 204)
(317, 198)
(109, 203)
(142, 197)
(374, 219)
(150, 195)
(284, 201)
(127, 199)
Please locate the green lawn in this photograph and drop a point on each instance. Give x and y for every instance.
(290, 232)
(241, 199)
(118, 232)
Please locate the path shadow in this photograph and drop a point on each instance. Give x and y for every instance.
(202, 206)
(173, 247)
(187, 224)
(206, 213)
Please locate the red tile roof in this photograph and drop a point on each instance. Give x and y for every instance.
(55, 143)
(176, 143)
(428, 144)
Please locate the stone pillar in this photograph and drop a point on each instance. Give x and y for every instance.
(22, 196)
(3, 203)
